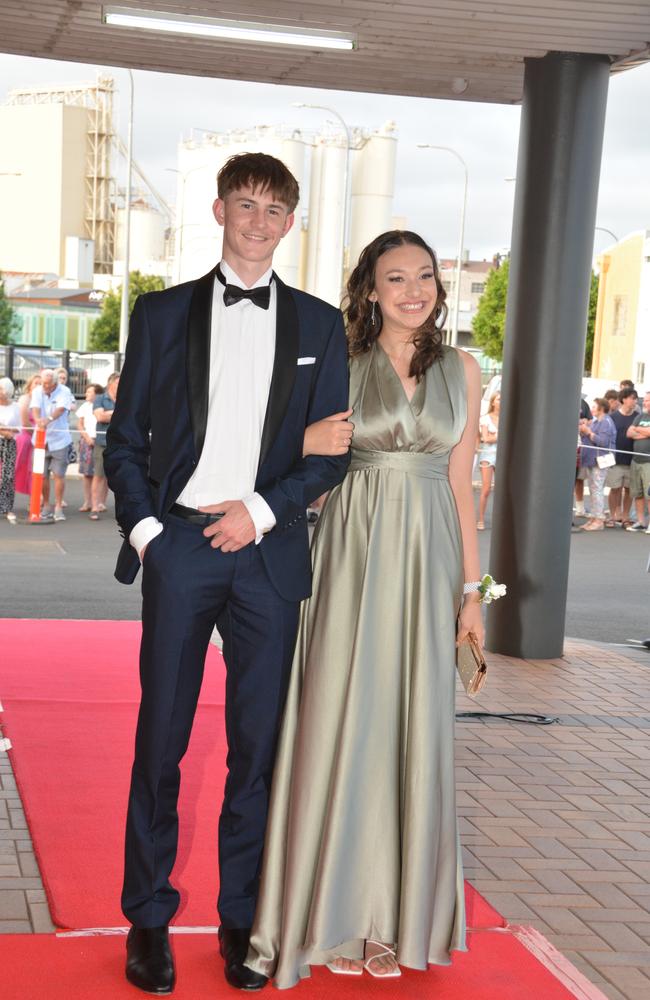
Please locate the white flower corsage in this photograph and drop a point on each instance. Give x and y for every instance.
(490, 590)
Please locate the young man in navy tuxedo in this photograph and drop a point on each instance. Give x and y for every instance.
(204, 455)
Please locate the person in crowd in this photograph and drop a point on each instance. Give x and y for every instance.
(86, 425)
(627, 383)
(50, 405)
(639, 434)
(597, 441)
(205, 457)
(9, 430)
(24, 447)
(618, 476)
(362, 863)
(612, 398)
(62, 379)
(487, 456)
(103, 407)
(581, 471)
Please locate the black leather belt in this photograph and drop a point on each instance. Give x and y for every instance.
(194, 516)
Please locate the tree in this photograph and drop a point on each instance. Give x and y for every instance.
(489, 322)
(9, 322)
(105, 332)
(591, 321)
(488, 326)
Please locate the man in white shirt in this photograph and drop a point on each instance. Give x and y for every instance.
(204, 455)
(50, 405)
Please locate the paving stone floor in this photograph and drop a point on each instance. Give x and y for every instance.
(23, 906)
(554, 819)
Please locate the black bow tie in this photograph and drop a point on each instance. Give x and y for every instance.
(260, 296)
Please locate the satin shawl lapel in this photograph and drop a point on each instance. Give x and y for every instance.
(284, 366)
(199, 329)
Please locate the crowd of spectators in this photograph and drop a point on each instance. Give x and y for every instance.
(614, 453)
(613, 456)
(48, 403)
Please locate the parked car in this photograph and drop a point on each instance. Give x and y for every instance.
(98, 367)
(29, 361)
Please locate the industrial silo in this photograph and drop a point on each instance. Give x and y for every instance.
(373, 181)
(326, 220)
(147, 240)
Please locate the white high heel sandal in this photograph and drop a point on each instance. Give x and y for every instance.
(380, 954)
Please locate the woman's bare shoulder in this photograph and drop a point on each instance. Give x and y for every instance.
(468, 360)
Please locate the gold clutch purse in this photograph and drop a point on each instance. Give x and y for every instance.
(471, 665)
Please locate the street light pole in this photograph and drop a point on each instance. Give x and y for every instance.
(124, 305)
(461, 238)
(601, 229)
(347, 179)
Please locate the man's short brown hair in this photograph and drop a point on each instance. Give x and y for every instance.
(259, 170)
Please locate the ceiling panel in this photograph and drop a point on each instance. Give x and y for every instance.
(415, 48)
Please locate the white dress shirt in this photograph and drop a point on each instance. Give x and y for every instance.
(242, 350)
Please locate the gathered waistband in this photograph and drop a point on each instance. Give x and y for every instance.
(412, 463)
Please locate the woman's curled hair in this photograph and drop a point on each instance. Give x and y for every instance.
(361, 330)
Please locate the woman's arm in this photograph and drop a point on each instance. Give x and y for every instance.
(81, 427)
(600, 434)
(23, 409)
(330, 436)
(460, 479)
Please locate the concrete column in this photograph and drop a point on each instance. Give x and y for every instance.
(562, 123)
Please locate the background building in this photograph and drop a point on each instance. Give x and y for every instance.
(474, 274)
(57, 318)
(72, 191)
(57, 175)
(42, 197)
(622, 328)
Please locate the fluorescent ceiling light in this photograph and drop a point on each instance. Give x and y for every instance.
(235, 31)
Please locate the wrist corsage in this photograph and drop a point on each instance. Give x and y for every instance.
(487, 588)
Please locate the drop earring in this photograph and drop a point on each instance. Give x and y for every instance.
(372, 314)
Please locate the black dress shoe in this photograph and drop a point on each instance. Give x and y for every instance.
(233, 945)
(149, 962)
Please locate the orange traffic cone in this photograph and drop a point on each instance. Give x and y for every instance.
(38, 467)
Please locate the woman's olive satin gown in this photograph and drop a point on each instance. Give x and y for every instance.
(362, 839)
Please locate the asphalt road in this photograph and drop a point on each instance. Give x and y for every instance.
(65, 570)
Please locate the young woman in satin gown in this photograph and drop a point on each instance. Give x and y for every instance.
(362, 862)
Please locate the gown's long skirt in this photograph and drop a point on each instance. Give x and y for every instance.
(362, 838)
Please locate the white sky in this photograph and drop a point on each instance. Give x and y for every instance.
(428, 184)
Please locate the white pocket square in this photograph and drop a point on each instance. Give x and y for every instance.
(306, 361)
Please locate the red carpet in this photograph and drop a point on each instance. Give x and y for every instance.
(497, 967)
(70, 694)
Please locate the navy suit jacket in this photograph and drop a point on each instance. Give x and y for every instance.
(157, 430)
